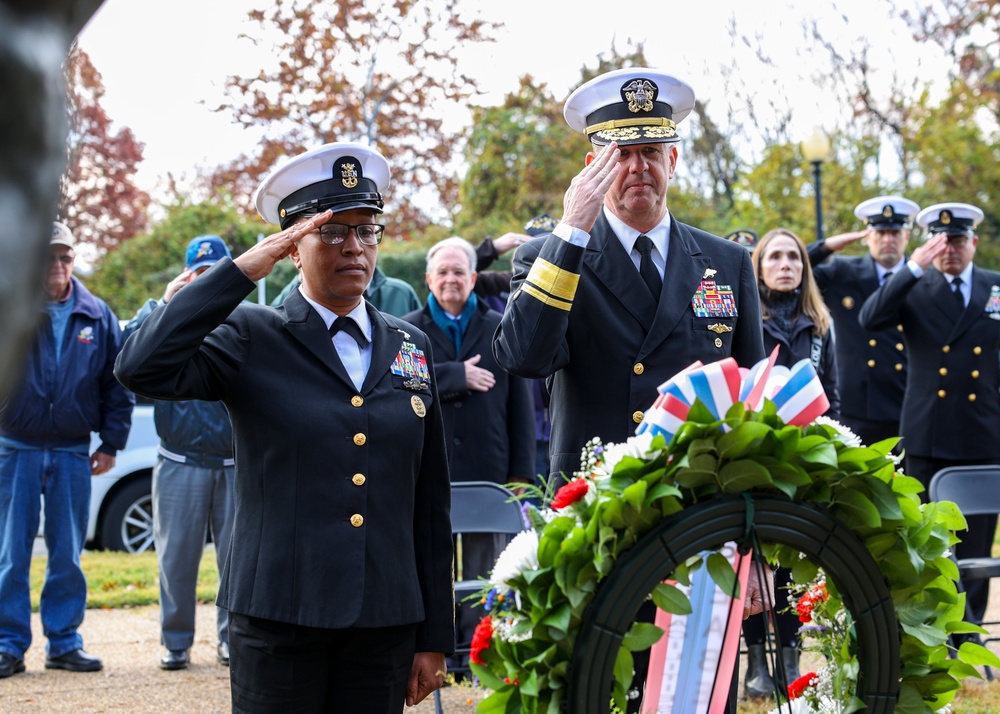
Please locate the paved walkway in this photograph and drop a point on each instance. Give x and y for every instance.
(128, 640)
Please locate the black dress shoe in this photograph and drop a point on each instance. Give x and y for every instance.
(222, 654)
(75, 661)
(175, 659)
(10, 665)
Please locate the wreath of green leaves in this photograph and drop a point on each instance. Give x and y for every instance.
(860, 486)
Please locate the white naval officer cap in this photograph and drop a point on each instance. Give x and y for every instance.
(950, 218)
(887, 213)
(338, 176)
(635, 105)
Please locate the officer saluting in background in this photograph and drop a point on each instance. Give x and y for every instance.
(871, 366)
(950, 312)
(338, 578)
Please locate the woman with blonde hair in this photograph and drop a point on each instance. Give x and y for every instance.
(798, 321)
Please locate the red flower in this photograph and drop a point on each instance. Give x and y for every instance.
(570, 493)
(796, 688)
(481, 639)
(808, 602)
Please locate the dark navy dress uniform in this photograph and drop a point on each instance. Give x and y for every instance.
(951, 410)
(584, 318)
(872, 365)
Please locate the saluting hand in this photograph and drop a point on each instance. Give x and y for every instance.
(174, 286)
(842, 240)
(585, 196)
(925, 254)
(259, 261)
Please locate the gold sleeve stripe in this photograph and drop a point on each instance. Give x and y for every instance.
(539, 295)
(553, 279)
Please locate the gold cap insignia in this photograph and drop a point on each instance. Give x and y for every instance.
(887, 211)
(349, 175)
(945, 217)
(640, 95)
(282, 212)
(718, 328)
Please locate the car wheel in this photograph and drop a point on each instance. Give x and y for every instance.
(128, 518)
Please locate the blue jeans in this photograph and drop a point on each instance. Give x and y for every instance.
(63, 477)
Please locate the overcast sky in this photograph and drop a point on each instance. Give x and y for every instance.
(164, 63)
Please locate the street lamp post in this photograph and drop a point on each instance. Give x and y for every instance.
(816, 150)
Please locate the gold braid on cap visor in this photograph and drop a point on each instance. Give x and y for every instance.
(658, 126)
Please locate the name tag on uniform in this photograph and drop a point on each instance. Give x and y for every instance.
(713, 300)
(993, 304)
(411, 364)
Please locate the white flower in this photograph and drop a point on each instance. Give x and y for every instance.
(845, 435)
(504, 627)
(520, 555)
(636, 446)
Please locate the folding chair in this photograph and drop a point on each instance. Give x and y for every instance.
(976, 491)
(478, 507)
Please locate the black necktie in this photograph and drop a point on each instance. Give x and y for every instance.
(650, 275)
(885, 278)
(350, 327)
(957, 291)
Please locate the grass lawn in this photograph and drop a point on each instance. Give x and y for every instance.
(125, 580)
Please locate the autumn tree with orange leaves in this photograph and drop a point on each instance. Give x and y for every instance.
(98, 199)
(375, 73)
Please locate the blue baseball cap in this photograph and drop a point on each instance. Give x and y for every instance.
(206, 250)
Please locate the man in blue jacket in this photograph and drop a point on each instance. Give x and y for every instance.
(192, 487)
(67, 390)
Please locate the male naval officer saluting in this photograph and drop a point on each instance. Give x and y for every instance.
(338, 578)
(950, 312)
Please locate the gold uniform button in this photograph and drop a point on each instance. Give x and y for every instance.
(357, 520)
(972, 397)
(943, 371)
(357, 400)
(977, 350)
(872, 343)
(899, 367)
(358, 479)
(718, 342)
(899, 327)
(638, 368)
(899, 346)
(942, 393)
(360, 439)
(637, 417)
(975, 374)
(871, 363)
(946, 349)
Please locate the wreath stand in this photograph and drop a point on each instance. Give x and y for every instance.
(706, 526)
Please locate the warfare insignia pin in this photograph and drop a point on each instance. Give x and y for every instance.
(640, 95)
(718, 328)
(709, 273)
(349, 175)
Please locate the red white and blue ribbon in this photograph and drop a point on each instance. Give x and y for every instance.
(797, 393)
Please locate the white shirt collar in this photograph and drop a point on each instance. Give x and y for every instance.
(358, 314)
(660, 235)
(880, 271)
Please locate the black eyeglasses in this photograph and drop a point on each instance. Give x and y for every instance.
(64, 259)
(336, 233)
